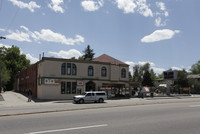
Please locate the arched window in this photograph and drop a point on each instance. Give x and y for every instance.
(123, 73)
(73, 69)
(90, 71)
(68, 68)
(63, 69)
(103, 71)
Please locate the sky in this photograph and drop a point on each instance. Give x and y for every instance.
(164, 33)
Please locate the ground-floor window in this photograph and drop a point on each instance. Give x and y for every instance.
(68, 87)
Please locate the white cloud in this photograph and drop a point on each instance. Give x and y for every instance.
(3, 45)
(67, 54)
(19, 36)
(130, 6)
(31, 58)
(91, 5)
(162, 7)
(159, 35)
(48, 35)
(144, 9)
(31, 5)
(45, 35)
(158, 22)
(55, 5)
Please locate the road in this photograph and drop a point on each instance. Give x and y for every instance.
(176, 118)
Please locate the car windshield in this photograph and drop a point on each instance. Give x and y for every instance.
(84, 93)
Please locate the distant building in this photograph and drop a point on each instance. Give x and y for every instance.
(168, 78)
(56, 78)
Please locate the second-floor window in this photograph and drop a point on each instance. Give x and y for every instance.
(63, 69)
(123, 73)
(103, 71)
(68, 68)
(73, 69)
(90, 71)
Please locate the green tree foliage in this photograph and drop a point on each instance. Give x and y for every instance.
(147, 81)
(182, 80)
(4, 74)
(143, 75)
(88, 53)
(195, 69)
(14, 62)
(136, 74)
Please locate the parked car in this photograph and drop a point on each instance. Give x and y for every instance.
(93, 96)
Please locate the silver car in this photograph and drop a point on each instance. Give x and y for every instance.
(93, 96)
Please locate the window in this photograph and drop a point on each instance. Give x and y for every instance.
(62, 87)
(103, 71)
(90, 71)
(123, 73)
(73, 87)
(63, 69)
(73, 69)
(68, 68)
(68, 87)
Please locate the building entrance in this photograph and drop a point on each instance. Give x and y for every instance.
(90, 86)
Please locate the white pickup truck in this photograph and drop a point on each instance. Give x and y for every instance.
(93, 96)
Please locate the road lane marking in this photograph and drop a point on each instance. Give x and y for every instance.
(67, 129)
(194, 105)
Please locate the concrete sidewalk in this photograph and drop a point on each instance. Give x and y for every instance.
(16, 104)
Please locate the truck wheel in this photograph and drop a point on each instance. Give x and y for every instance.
(81, 101)
(101, 100)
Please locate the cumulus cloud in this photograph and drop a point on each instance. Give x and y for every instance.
(132, 6)
(43, 35)
(162, 7)
(31, 58)
(159, 35)
(67, 54)
(158, 22)
(48, 35)
(19, 36)
(55, 5)
(91, 5)
(32, 5)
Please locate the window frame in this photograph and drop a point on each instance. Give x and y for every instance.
(63, 69)
(123, 73)
(90, 71)
(102, 71)
(74, 69)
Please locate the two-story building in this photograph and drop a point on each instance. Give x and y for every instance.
(56, 78)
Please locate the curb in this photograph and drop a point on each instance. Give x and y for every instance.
(92, 108)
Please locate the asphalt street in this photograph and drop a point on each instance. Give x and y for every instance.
(172, 118)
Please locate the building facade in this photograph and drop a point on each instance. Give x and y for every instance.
(55, 78)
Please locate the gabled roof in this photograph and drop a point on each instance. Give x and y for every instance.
(109, 59)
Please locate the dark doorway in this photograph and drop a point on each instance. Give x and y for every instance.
(90, 86)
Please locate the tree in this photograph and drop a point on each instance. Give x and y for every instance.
(147, 81)
(136, 75)
(182, 80)
(88, 53)
(4, 75)
(14, 62)
(195, 69)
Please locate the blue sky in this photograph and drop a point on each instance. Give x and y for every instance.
(164, 33)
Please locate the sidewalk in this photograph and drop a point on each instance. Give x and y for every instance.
(16, 104)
